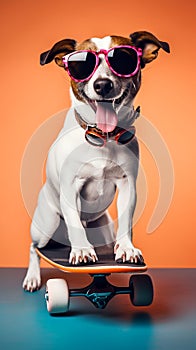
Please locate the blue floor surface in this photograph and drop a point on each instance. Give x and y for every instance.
(169, 323)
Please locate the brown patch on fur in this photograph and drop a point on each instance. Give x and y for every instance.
(87, 45)
(75, 91)
(119, 40)
(150, 53)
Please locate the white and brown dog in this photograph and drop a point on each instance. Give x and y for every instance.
(96, 152)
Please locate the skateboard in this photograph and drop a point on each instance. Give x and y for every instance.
(100, 291)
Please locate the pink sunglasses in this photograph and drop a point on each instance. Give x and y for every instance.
(123, 61)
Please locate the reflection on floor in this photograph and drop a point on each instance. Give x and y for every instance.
(169, 323)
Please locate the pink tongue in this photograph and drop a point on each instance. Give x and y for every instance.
(106, 118)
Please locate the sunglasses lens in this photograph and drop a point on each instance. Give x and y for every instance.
(94, 140)
(124, 61)
(81, 64)
(126, 137)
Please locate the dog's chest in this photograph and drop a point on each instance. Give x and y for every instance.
(100, 169)
(98, 176)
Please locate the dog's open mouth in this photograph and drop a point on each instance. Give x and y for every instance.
(106, 117)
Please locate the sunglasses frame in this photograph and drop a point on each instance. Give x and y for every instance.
(104, 52)
(91, 131)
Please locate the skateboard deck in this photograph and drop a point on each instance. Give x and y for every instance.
(57, 254)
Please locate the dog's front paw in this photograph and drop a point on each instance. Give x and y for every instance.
(32, 282)
(82, 255)
(126, 252)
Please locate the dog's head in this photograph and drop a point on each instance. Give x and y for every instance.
(106, 73)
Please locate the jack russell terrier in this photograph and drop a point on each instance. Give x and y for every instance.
(96, 153)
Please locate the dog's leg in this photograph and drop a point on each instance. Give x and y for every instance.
(81, 249)
(124, 248)
(32, 280)
(44, 223)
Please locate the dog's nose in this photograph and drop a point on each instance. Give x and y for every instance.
(103, 86)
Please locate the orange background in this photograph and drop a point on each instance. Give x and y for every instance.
(30, 94)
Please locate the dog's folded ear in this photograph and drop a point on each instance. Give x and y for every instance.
(60, 49)
(149, 44)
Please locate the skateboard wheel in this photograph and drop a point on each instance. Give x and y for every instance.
(141, 290)
(57, 296)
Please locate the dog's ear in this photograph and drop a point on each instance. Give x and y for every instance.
(149, 44)
(60, 49)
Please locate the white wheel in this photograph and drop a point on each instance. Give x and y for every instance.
(57, 296)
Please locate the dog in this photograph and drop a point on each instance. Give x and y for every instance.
(96, 153)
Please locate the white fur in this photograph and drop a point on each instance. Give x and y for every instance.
(103, 43)
(74, 167)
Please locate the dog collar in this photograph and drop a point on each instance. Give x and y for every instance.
(85, 125)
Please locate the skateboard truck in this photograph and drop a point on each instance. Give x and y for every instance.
(100, 291)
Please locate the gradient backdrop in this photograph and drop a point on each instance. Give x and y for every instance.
(31, 94)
